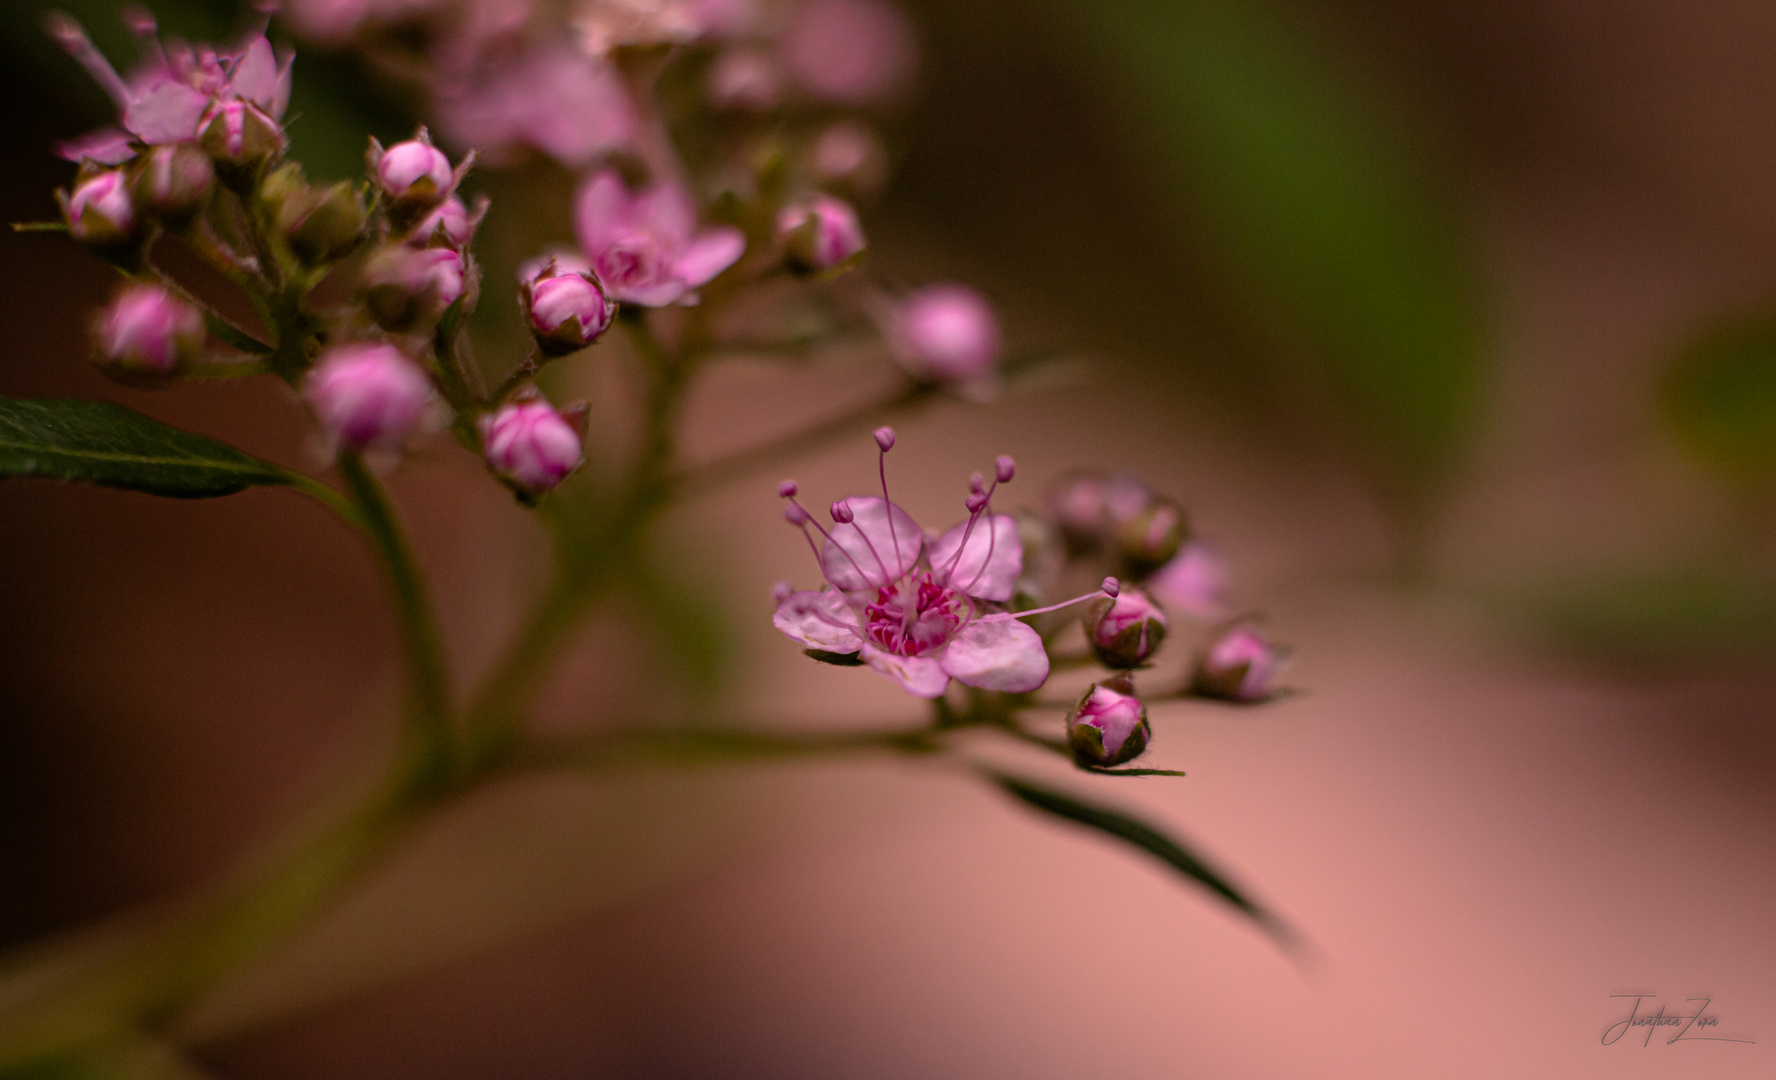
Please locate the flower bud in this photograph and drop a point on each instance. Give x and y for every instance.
(100, 212)
(1194, 582)
(946, 333)
(1124, 628)
(408, 289)
(414, 171)
(239, 137)
(1109, 725)
(567, 311)
(147, 334)
(1147, 540)
(452, 217)
(173, 182)
(1239, 666)
(530, 445)
(849, 158)
(367, 395)
(322, 225)
(819, 234)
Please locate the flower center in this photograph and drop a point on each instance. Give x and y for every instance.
(633, 260)
(915, 615)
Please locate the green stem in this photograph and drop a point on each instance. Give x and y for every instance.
(705, 745)
(428, 695)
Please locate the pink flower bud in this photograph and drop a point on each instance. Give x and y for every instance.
(410, 288)
(848, 157)
(173, 182)
(240, 137)
(1148, 539)
(1109, 725)
(531, 446)
(820, 234)
(414, 171)
(854, 52)
(100, 211)
(1194, 582)
(452, 217)
(946, 333)
(147, 333)
(367, 395)
(567, 311)
(1124, 628)
(1240, 665)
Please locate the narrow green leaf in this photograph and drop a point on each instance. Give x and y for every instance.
(1133, 831)
(837, 659)
(1131, 772)
(93, 442)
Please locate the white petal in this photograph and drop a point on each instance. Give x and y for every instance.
(919, 676)
(997, 653)
(819, 620)
(876, 548)
(991, 562)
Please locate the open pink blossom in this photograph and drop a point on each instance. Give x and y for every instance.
(646, 246)
(174, 87)
(919, 613)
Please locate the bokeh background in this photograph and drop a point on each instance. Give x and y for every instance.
(1452, 325)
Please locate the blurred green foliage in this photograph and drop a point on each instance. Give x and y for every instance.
(1719, 398)
(1656, 617)
(1326, 214)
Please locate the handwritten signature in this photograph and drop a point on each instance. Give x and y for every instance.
(1692, 1027)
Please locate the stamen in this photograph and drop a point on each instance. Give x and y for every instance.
(785, 490)
(1066, 603)
(1004, 468)
(71, 36)
(842, 506)
(885, 438)
(885, 441)
(803, 518)
(841, 512)
(1112, 588)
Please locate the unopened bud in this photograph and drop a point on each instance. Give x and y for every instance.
(975, 500)
(240, 137)
(822, 233)
(567, 311)
(410, 288)
(884, 436)
(322, 225)
(531, 446)
(1194, 582)
(1124, 628)
(841, 512)
(450, 217)
(1240, 665)
(146, 334)
(173, 182)
(946, 333)
(1148, 539)
(367, 395)
(415, 172)
(100, 212)
(1109, 725)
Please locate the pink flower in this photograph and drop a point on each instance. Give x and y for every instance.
(567, 310)
(1240, 665)
(645, 246)
(946, 333)
(1126, 630)
(414, 171)
(1109, 725)
(821, 232)
(1194, 582)
(168, 95)
(852, 52)
(530, 445)
(451, 216)
(566, 104)
(920, 613)
(146, 330)
(100, 211)
(367, 395)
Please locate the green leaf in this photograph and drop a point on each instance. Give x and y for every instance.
(93, 442)
(1720, 398)
(1144, 836)
(1130, 772)
(1332, 225)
